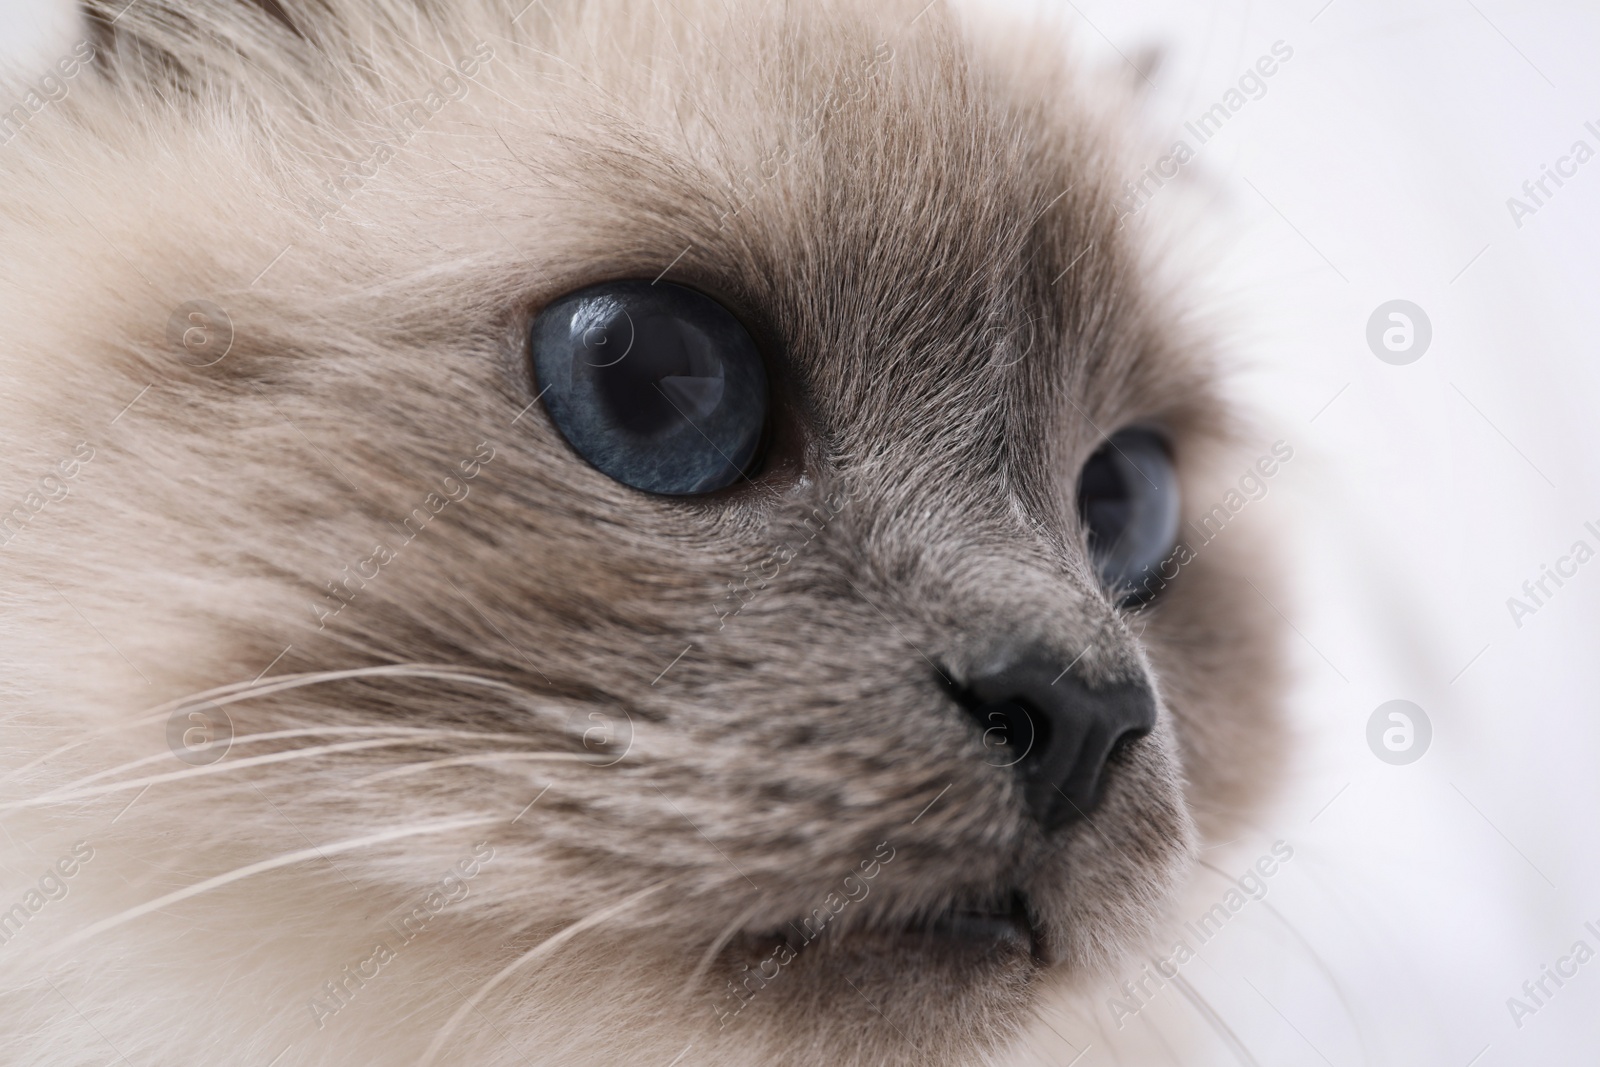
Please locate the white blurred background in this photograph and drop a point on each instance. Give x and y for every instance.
(1377, 166)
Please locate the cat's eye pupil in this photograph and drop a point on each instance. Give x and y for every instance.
(1129, 504)
(656, 385)
(666, 376)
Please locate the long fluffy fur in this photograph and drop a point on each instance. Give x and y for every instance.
(915, 217)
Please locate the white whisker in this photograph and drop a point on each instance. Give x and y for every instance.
(419, 734)
(285, 860)
(460, 761)
(722, 940)
(543, 948)
(237, 691)
(223, 767)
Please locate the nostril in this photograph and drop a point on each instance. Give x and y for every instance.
(1057, 732)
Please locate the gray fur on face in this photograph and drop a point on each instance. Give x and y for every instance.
(723, 705)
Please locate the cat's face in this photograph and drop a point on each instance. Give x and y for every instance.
(747, 716)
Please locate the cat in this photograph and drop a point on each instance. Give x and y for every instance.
(389, 681)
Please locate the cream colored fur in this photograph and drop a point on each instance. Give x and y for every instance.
(527, 716)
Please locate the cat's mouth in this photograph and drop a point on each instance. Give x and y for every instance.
(1001, 926)
(1007, 927)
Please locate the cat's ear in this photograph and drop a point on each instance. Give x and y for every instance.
(170, 41)
(1138, 67)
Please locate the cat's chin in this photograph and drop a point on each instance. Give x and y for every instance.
(960, 979)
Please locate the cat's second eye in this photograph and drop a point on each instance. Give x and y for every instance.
(1128, 500)
(655, 385)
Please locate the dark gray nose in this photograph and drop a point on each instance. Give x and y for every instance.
(1039, 718)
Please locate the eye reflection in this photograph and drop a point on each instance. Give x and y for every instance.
(1129, 502)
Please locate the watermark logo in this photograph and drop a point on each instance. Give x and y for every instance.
(404, 927)
(200, 734)
(1138, 992)
(414, 115)
(605, 737)
(50, 488)
(1008, 735)
(853, 888)
(1566, 167)
(1208, 527)
(758, 576)
(1399, 732)
(201, 332)
(450, 490)
(1399, 332)
(1541, 588)
(1251, 85)
(50, 89)
(51, 886)
(597, 341)
(1538, 991)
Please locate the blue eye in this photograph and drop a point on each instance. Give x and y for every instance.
(1128, 500)
(657, 386)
